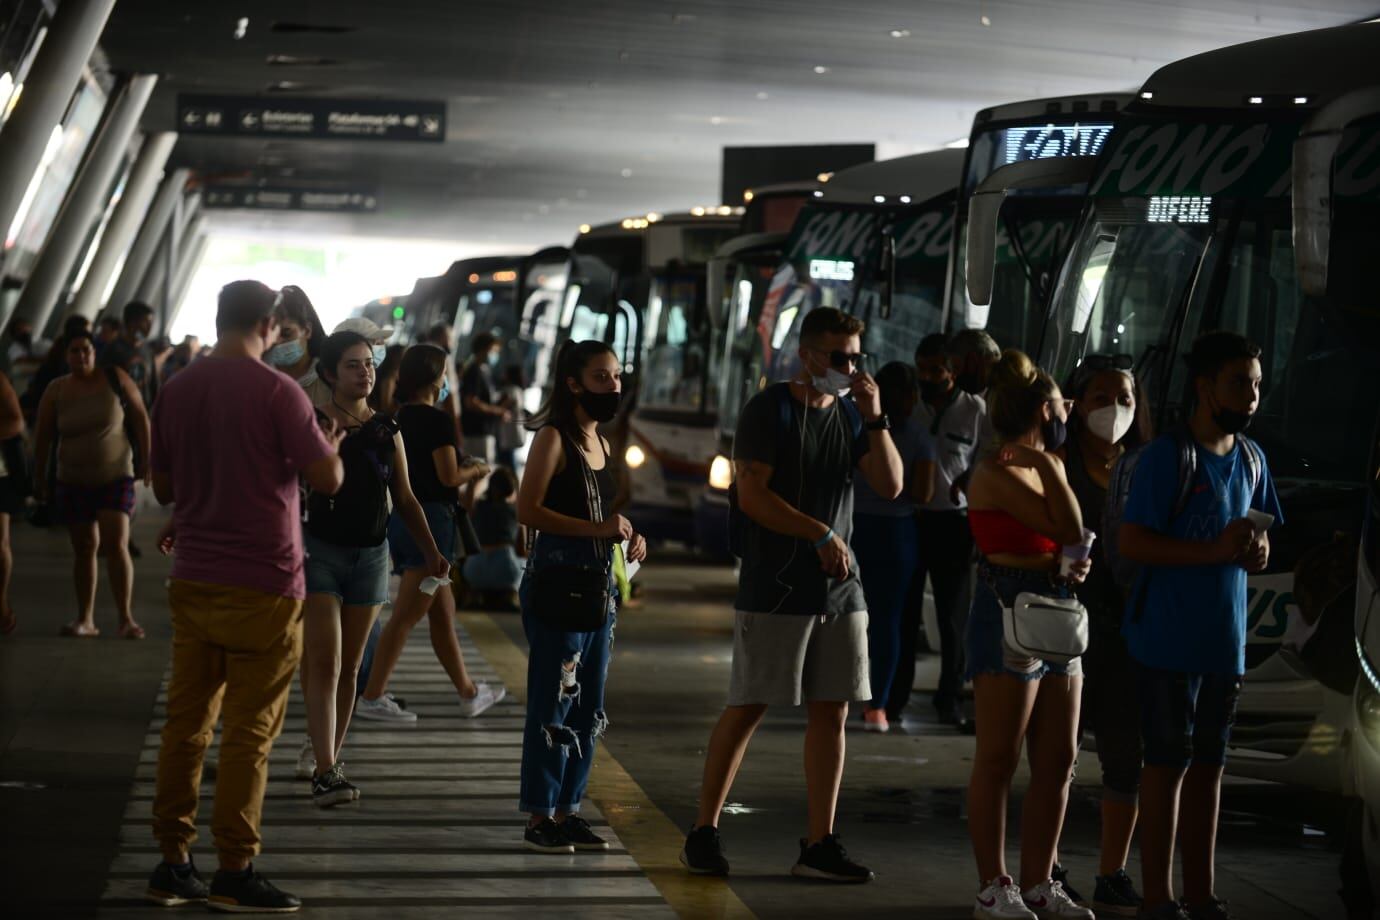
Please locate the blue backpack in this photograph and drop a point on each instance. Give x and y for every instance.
(738, 522)
(1125, 572)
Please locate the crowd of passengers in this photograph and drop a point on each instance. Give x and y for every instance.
(1084, 574)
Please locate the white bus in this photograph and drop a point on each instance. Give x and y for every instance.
(874, 243)
(1241, 190)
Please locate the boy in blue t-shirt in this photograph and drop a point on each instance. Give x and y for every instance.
(1186, 618)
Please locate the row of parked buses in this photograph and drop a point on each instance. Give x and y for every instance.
(1236, 189)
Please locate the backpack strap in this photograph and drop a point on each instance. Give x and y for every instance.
(1255, 461)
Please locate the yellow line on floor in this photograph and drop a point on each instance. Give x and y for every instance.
(652, 839)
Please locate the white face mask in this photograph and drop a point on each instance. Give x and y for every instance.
(1110, 423)
(832, 382)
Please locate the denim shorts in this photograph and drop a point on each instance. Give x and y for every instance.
(1186, 718)
(984, 642)
(440, 519)
(358, 575)
(494, 570)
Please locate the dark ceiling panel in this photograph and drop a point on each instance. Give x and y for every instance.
(564, 113)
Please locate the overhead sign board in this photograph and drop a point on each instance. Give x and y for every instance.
(277, 198)
(311, 118)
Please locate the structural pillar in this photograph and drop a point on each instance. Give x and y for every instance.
(145, 246)
(194, 252)
(56, 71)
(120, 230)
(153, 287)
(85, 202)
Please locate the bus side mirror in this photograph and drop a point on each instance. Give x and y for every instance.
(1312, 209)
(1315, 155)
(980, 254)
(714, 292)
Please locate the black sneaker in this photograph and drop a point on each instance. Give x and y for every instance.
(171, 888)
(1061, 875)
(249, 892)
(332, 788)
(546, 837)
(577, 831)
(1116, 894)
(703, 853)
(1213, 909)
(827, 860)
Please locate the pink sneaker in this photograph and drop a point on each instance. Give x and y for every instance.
(874, 720)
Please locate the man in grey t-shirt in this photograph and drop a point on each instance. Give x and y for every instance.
(800, 632)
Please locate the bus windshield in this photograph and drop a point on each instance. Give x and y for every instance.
(1137, 273)
(678, 366)
(745, 355)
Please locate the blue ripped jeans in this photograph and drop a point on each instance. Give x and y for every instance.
(563, 720)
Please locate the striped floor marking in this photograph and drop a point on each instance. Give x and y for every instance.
(436, 827)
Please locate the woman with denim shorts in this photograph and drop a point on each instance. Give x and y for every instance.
(437, 475)
(567, 469)
(1020, 508)
(347, 554)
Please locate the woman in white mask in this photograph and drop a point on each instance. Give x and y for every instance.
(300, 338)
(1108, 419)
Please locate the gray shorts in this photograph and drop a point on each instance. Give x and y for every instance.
(782, 659)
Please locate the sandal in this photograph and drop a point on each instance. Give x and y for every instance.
(131, 630)
(76, 630)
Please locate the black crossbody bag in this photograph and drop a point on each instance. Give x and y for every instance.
(576, 598)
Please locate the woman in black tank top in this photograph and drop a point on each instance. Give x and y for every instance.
(1107, 421)
(565, 497)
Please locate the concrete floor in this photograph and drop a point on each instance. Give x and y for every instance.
(76, 748)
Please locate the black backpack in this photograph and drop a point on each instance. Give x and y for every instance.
(357, 515)
(1124, 571)
(738, 522)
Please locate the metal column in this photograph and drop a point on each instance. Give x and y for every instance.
(115, 241)
(85, 202)
(56, 71)
(145, 246)
(153, 287)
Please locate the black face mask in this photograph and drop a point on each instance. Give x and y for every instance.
(971, 382)
(1231, 421)
(931, 390)
(1055, 432)
(601, 407)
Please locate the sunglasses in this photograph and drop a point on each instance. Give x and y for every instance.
(841, 359)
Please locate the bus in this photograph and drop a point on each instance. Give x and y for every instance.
(541, 283)
(672, 430)
(1241, 191)
(1056, 140)
(473, 294)
(874, 242)
(640, 285)
(1363, 773)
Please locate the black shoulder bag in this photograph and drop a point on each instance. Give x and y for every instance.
(576, 598)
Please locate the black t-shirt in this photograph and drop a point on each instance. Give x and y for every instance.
(781, 574)
(495, 523)
(477, 381)
(424, 429)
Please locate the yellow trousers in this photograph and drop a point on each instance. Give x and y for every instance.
(234, 654)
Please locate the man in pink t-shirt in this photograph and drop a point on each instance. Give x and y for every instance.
(231, 436)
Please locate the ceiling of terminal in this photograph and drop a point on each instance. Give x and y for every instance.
(562, 113)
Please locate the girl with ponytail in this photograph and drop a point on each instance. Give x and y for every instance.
(566, 497)
(1021, 509)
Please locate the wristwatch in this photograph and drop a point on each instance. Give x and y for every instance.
(880, 423)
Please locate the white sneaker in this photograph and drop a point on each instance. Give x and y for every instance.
(306, 761)
(1001, 900)
(481, 701)
(1050, 901)
(383, 709)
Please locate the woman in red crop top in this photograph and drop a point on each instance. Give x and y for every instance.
(1021, 510)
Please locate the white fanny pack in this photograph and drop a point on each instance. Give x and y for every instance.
(1054, 629)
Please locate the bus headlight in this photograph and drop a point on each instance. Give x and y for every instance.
(635, 456)
(720, 473)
